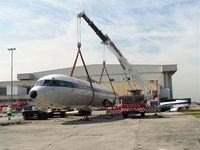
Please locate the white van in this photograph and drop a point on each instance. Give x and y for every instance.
(4, 109)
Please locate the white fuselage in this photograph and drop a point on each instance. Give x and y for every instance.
(65, 91)
(175, 102)
(175, 105)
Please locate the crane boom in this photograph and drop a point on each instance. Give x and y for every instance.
(122, 60)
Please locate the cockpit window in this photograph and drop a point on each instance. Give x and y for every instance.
(47, 83)
(129, 100)
(39, 83)
(66, 84)
(54, 83)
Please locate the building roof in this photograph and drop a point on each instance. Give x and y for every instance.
(95, 70)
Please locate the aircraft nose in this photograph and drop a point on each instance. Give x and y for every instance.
(33, 94)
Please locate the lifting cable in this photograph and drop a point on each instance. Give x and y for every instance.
(128, 80)
(103, 52)
(79, 53)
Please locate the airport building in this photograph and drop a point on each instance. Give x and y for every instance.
(157, 77)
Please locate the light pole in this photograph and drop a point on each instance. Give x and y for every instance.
(11, 81)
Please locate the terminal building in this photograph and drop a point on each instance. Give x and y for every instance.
(157, 77)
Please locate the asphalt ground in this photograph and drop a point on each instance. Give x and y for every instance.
(172, 131)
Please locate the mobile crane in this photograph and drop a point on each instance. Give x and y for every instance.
(136, 100)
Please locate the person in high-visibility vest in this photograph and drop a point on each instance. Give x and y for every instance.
(9, 112)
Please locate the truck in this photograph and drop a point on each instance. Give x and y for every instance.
(31, 112)
(132, 104)
(138, 104)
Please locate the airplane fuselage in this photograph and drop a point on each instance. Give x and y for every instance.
(174, 105)
(62, 90)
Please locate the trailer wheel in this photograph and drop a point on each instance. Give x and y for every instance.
(25, 116)
(62, 114)
(45, 116)
(50, 115)
(39, 116)
(125, 115)
(84, 112)
(142, 114)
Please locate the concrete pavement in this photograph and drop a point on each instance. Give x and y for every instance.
(175, 131)
(15, 119)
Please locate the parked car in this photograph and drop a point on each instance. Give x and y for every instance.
(4, 109)
(14, 110)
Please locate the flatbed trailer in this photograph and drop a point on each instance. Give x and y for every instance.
(138, 108)
(132, 104)
(51, 113)
(34, 115)
(42, 115)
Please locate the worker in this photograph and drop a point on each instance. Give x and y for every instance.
(34, 108)
(9, 112)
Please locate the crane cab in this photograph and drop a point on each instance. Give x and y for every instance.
(135, 99)
(132, 100)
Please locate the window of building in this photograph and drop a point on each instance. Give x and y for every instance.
(3, 91)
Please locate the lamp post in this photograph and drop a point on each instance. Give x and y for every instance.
(11, 81)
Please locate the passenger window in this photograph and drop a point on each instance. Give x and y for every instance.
(70, 84)
(66, 84)
(61, 83)
(55, 83)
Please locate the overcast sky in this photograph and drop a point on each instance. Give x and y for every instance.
(44, 33)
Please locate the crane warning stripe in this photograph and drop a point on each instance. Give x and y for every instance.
(117, 110)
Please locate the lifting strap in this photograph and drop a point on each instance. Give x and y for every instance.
(104, 68)
(85, 67)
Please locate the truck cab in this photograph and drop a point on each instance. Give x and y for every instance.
(132, 100)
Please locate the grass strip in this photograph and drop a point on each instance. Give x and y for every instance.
(195, 113)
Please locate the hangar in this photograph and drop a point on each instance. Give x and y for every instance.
(157, 77)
